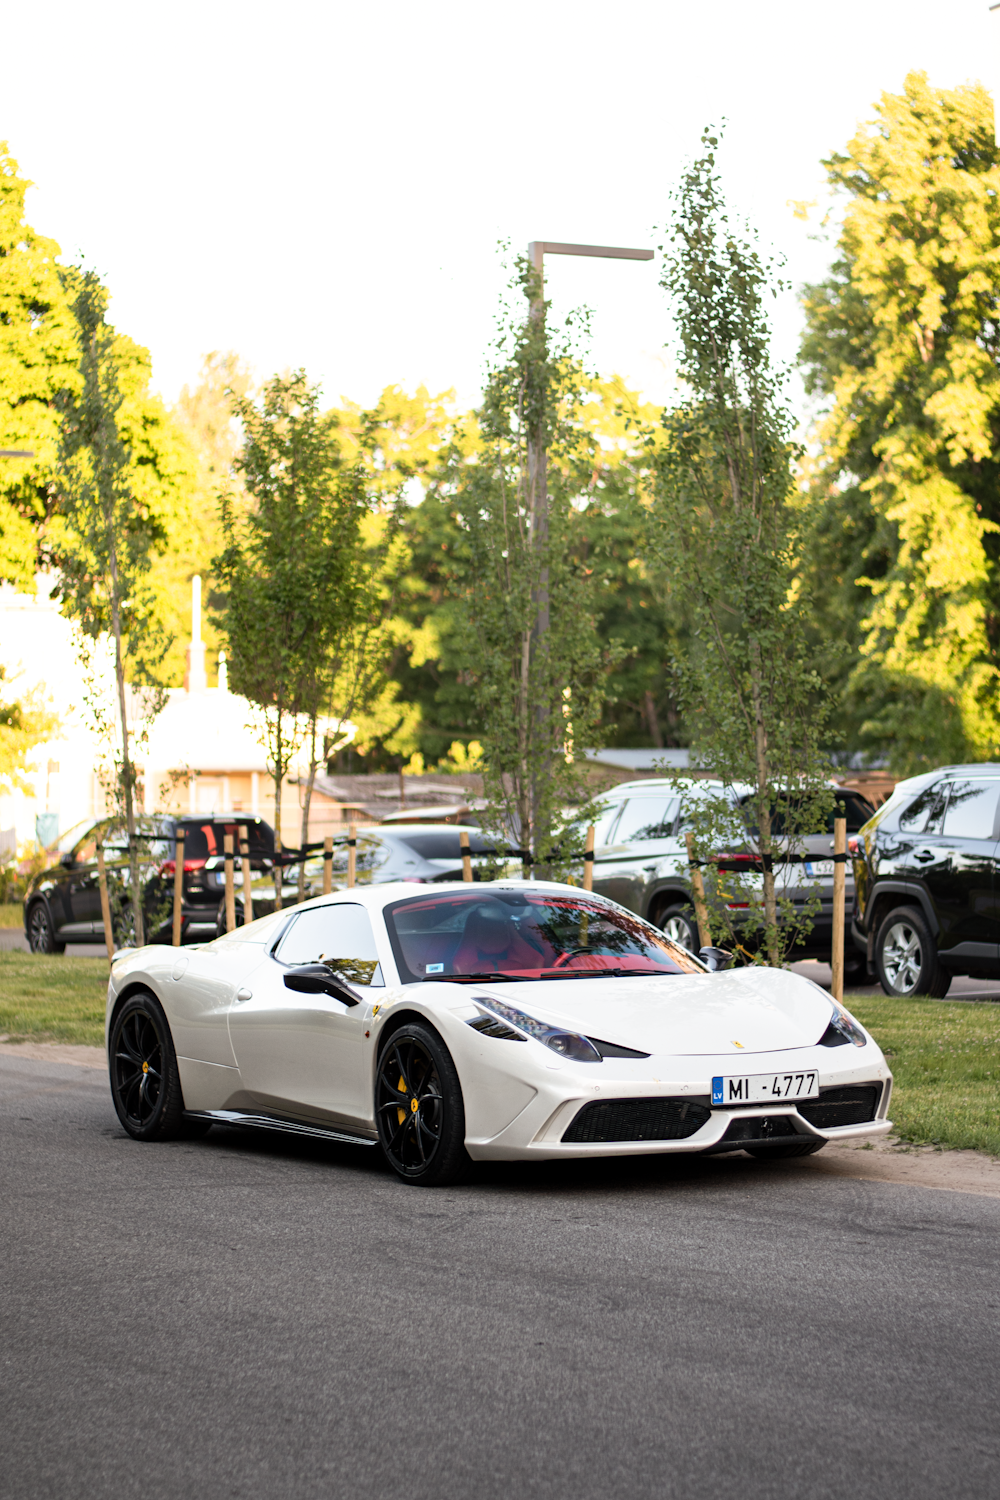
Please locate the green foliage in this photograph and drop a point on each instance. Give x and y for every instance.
(902, 344)
(38, 359)
(109, 526)
(946, 1075)
(300, 596)
(536, 664)
(726, 532)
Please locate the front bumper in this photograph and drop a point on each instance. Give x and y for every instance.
(536, 1133)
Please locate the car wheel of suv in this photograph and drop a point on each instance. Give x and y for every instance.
(678, 923)
(906, 960)
(41, 936)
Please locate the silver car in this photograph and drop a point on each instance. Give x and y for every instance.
(640, 860)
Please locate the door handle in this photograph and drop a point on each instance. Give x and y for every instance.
(924, 856)
(244, 994)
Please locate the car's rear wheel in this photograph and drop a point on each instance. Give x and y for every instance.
(678, 923)
(906, 960)
(145, 1082)
(419, 1110)
(41, 933)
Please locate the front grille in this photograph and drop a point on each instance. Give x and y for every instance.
(855, 1105)
(638, 1120)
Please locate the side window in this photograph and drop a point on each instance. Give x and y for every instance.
(646, 818)
(925, 815)
(339, 935)
(972, 809)
(856, 810)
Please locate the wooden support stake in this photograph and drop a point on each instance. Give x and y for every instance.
(227, 854)
(463, 839)
(279, 872)
(327, 865)
(178, 886)
(839, 904)
(588, 860)
(247, 877)
(352, 853)
(102, 880)
(700, 906)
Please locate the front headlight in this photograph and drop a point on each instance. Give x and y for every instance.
(569, 1044)
(844, 1022)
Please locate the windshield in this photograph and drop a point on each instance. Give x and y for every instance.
(525, 936)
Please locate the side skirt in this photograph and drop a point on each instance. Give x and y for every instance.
(272, 1122)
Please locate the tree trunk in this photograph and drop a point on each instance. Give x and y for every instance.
(764, 808)
(133, 852)
(653, 721)
(304, 839)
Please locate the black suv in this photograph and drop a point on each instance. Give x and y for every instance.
(926, 881)
(63, 903)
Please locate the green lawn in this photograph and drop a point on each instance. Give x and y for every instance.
(53, 999)
(11, 914)
(945, 1060)
(945, 1057)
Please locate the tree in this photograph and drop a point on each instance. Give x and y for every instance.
(903, 345)
(109, 529)
(533, 653)
(38, 359)
(727, 533)
(291, 569)
(25, 721)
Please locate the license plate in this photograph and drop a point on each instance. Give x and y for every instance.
(818, 867)
(765, 1088)
(220, 877)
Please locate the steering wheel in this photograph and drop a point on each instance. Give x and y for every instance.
(571, 953)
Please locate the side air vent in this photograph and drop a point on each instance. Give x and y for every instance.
(613, 1120)
(611, 1049)
(490, 1026)
(833, 1038)
(853, 1105)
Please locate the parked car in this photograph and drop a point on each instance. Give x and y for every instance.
(418, 852)
(640, 860)
(927, 892)
(63, 903)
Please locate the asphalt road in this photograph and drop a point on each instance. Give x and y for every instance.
(249, 1317)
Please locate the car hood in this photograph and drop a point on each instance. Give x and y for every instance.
(746, 1010)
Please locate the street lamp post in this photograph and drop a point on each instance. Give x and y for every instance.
(538, 490)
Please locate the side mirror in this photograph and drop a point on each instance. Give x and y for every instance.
(66, 860)
(317, 979)
(716, 959)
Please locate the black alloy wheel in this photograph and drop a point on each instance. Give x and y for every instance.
(145, 1082)
(419, 1110)
(785, 1149)
(678, 923)
(906, 960)
(41, 936)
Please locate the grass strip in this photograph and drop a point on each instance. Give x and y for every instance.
(47, 998)
(12, 914)
(945, 1061)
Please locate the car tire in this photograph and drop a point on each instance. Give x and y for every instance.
(145, 1081)
(783, 1149)
(423, 1139)
(679, 924)
(906, 960)
(41, 933)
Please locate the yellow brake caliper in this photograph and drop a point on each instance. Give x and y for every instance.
(401, 1113)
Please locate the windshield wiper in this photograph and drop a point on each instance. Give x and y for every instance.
(461, 978)
(604, 974)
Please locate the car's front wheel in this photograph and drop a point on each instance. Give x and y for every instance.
(41, 933)
(145, 1082)
(419, 1110)
(906, 960)
(678, 923)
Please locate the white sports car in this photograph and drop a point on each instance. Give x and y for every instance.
(516, 1020)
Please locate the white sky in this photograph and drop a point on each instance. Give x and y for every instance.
(325, 184)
